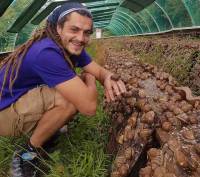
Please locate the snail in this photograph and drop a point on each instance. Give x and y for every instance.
(142, 93)
(123, 170)
(119, 161)
(145, 133)
(181, 159)
(120, 139)
(153, 152)
(148, 117)
(115, 174)
(146, 108)
(166, 126)
(188, 134)
(132, 121)
(129, 153)
(146, 172)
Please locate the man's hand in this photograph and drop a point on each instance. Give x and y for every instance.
(88, 78)
(113, 88)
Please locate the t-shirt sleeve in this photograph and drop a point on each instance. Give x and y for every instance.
(82, 60)
(52, 68)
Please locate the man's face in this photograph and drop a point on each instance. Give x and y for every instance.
(75, 33)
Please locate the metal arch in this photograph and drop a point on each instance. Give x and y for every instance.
(130, 16)
(133, 20)
(102, 10)
(126, 20)
(130, 30)
(103, 4)
(153, 19)
(191, 17)
(122, 33)
(101, 23)
(101, 19)
(120, 20)
(135, 32)
(114, 30)
(144, 21)
(165, 14)
(109, 13)
(114, 16)
(117, 20)
(118, 31)
(102, 16)
(4, 4)
(123, 26)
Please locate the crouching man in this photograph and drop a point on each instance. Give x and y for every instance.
(40, 91)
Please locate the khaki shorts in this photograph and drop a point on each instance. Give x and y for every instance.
(22, 116)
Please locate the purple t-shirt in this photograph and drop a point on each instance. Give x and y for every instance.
(43, 64)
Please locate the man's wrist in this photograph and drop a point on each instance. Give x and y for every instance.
(107, 76)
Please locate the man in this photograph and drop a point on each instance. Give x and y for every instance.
(40, 91)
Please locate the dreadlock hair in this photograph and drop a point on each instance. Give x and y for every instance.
(13, 62)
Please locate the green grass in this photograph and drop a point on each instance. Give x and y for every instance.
(177, 65)
(92, 49)
(80, 153)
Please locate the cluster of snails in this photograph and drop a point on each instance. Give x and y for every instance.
(179, 155)
(153, 102)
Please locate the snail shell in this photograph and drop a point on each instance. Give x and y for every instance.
(166, 126)
(120, 139)
(188, 134)
(130, 134)
(146, 172)
(146, 108)
(120, 160)
(145, 133)
(129, 153)
(153, 152)
(193, 120)
(181, 159)
(177, 110)
(123, 170)
(132, 121)
(115, 174)
(148, 117)
(142, 93)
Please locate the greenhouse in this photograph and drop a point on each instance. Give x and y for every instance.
(98, 88)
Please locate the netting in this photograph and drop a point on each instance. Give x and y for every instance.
(161, 15)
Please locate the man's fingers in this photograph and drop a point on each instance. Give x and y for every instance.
(107, 96)
(110, 92)
(121, 86)
(116, 88)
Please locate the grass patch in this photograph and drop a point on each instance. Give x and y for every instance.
(92, 49)
(176, 64)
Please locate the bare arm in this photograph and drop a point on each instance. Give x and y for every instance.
(82, 94)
